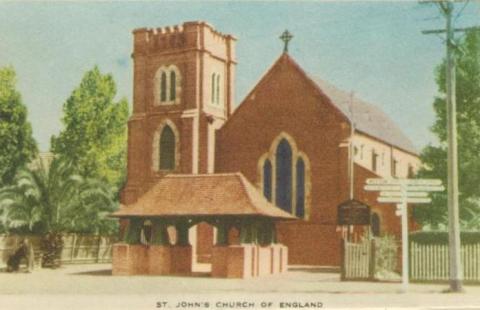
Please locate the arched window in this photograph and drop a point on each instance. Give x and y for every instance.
(173, 86)
(375, 224)
(217, 98)
(167, 149)
(283, 191)
(300, 210)
(213, 87)
(267, 180)
(163, 87)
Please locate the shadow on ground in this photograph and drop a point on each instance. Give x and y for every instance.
(103, 272)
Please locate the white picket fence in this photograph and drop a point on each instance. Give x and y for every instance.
(429, 262)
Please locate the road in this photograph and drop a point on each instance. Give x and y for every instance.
(89, 286)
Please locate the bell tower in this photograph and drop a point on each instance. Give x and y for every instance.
(183, 90)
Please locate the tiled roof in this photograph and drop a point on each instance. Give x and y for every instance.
(367, 118)
(203, 195)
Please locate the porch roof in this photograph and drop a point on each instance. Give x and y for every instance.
(205, 195)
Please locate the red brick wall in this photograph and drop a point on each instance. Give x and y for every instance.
(187, 48)
(286, 101)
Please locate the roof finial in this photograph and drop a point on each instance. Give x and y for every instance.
(286, 37)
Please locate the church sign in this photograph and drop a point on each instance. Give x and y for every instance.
(353, 212)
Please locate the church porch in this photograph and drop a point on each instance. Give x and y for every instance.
(157, 240)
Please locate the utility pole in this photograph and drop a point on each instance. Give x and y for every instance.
(351, 148)
(456, 271)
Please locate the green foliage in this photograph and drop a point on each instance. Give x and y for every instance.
(94, 137)
(386, 254)
(18, 145)
(468, 125)
(57, 200)
(441, 237)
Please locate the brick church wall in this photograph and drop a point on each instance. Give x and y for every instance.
(286, 101)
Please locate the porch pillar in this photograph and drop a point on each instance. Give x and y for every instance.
(182, 233)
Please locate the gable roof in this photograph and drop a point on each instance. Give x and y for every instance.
(202, 195)
(367, 118)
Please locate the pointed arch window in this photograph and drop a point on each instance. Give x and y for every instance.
(300, 202)
(163, 87)
(167, 149)
(283, 178)
(173, 86)
(267, 180)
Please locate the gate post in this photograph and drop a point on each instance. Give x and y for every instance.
(343, 246)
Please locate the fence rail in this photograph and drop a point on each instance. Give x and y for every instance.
(77, 249)
(429, 262)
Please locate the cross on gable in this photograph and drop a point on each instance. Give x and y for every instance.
(286, 37)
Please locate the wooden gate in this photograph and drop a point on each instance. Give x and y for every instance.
(357, 260)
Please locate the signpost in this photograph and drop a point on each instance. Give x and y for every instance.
(402, 192)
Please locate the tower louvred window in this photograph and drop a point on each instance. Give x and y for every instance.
(173, 86)
(163, 87)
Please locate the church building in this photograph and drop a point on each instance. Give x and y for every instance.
(288, 146)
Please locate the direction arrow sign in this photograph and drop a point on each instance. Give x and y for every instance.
(404, 182)
(400, 194)
(425, 188)
(402, 200)
(382, 188)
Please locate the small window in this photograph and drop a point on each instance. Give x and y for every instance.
(163, 87)
(173, 86)
(374, 161)
(394, 168)
(411, 171)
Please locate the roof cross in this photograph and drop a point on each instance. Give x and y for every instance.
(286, 37)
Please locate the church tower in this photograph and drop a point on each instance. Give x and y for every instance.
(183, 91)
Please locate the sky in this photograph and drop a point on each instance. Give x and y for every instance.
(375, 49)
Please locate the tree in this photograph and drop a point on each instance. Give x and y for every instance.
(54, 199)
(17, 144)
(95, 129)
(468, 126)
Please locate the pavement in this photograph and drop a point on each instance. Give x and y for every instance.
(302, 288)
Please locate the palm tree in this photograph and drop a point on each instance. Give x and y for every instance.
(54, 200)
